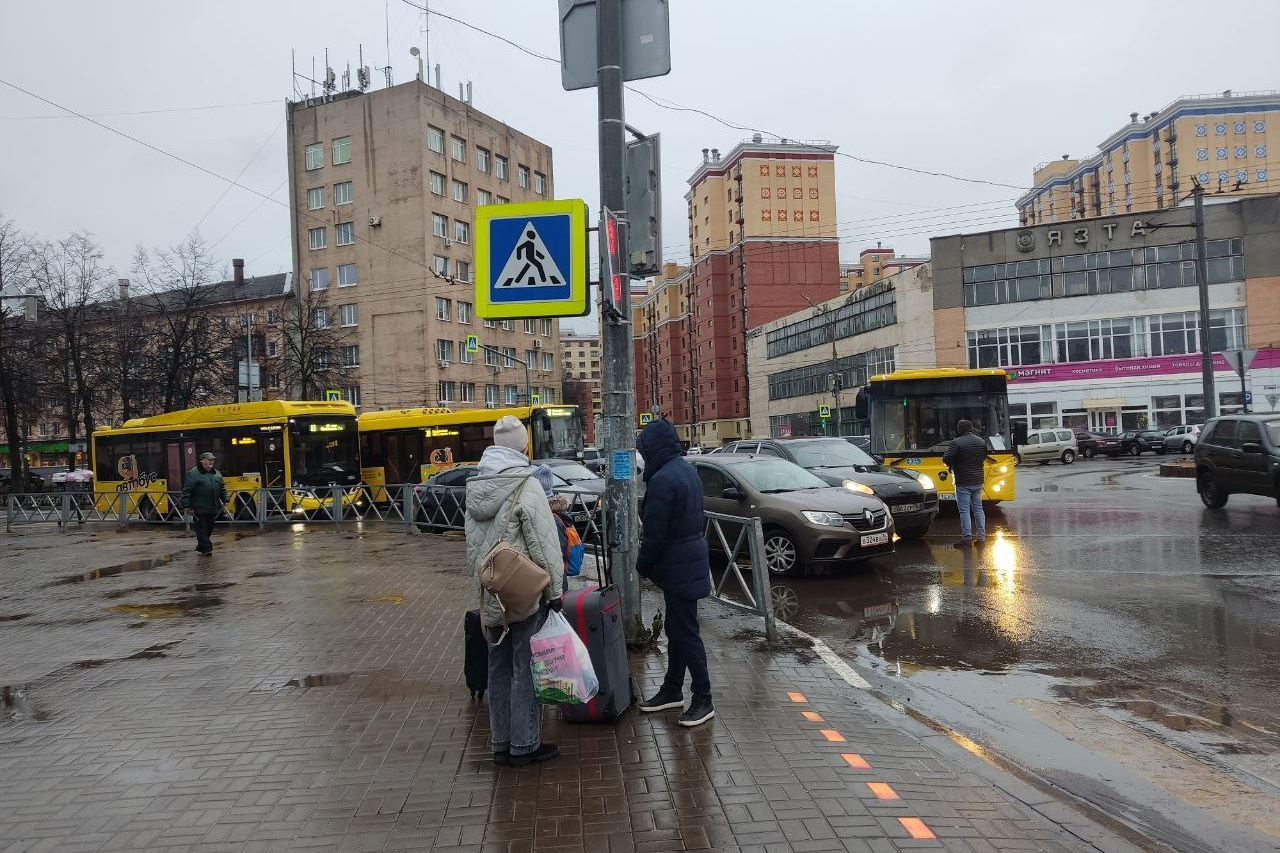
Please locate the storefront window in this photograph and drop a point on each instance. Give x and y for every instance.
(1044, 415)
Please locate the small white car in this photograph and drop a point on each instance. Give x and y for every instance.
(1182, 438)
(1046, 445)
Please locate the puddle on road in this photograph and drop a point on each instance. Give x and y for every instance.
(187, 605)
(14, 617)
(160, 650)
(265, 574)
(205, 587)
(112, 571)
(327, 679)
(16, 704)
(121, 593)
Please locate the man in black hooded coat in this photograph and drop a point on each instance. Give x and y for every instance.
(673, 554)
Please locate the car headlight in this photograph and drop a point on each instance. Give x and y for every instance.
(926, 482)
(829, 519)
(857, 487)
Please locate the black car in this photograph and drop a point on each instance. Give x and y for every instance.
(1139, 441)
(1092, 444)
(912, 500)
(35, 483)
(1238, 453)
(442, 499)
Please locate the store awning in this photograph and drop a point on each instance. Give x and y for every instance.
(40, 447)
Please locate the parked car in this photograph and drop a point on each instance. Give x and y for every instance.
(35, 483)
(1046, 445)
(442, 499)
(593, 459)
(1238, 453)
(806, 521)
(1182, 438)
(911, 497)
(862, 442)
(80, 475)
(1139, 441)
(1092, 444)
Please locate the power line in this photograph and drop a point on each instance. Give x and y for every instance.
(240, 175)
(148, 112)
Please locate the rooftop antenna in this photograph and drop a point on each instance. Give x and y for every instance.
(426, 37)
(313, 78)
(293, 65)
(362, 73)
(329, 77)
(346, 79)
(417, 54)
(386, 12)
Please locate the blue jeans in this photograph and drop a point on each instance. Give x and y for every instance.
(515, 717)
(966, 497)
(685, 652)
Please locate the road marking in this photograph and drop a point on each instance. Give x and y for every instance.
(842, 669)
(833, 735)
(796, 697)
(857, 762)
(813, 717)
(915, 828)
(883, 791)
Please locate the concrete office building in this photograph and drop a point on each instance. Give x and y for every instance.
(383, 188)
(1097, 319)
(1226, 141)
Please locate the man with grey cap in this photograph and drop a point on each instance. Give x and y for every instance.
(204, 494)
(505, 488)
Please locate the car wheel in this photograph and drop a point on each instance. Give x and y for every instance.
(913, 534)
(1136, 450)
(1210, 494)
(1088, 453)
(1186, 447)
(780, 553)
(1068, 456)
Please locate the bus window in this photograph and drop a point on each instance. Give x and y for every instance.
(554, 433)
(475, 438)
(243, 455)
(323, 451)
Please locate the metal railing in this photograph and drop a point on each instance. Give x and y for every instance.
(755, 597)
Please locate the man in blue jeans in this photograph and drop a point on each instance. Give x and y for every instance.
(965, 457)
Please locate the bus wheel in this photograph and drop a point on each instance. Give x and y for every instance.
(147, 510)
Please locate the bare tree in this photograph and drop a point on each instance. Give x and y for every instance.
(577, 393)
(311, 345)
(17, 376)
(187, 354)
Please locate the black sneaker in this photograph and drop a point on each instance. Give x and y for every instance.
(700, 710)
(546, 752)
(662, 701)
(502, 759)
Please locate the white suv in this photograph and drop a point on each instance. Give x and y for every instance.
(1045, 445)
(1182, 438)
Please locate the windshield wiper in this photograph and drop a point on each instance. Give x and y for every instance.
(776, 491)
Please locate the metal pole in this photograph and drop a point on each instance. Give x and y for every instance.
(1244, 394)
(835, 371)
(1202, 284)
(615, 327)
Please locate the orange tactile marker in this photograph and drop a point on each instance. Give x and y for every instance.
(813, 716)
(915, 828)
(857, 762)
(796, 697)
(833, 735)
(883, 791)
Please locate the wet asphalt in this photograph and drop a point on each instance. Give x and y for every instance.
(1114, 639)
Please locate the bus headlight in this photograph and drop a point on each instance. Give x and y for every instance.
(856, 487)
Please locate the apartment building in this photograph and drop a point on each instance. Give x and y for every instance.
(874, 266)
(384, 185)
(583, 378)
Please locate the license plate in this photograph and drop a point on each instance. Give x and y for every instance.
(875, 539)
(900, 508)
(946, 496)
(878, 611)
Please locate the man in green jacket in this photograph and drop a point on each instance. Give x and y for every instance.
(204, 495)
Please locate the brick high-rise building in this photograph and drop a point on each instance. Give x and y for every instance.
(661, 321)
(580, 361)
(383, 189)
(762, 235)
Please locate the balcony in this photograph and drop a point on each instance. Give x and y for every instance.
(741, 215)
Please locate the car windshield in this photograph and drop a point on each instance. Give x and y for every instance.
(777, 475)
(836, 453)
(573, 472)
(1273, 431)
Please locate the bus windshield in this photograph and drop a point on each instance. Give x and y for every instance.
(555, 433)
(322, 448)
(926, 423)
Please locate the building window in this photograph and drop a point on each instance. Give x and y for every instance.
(491, 394)
(437, 183)
(323, 358)
(343, 194)
(315, 198)
(435, 139)
(508, 326)
(320, 278)
(320, 318)
(482, 159)
(346, 233)
(439, 225)
(315, 155)
(548, 361)
(351, 356)
(500, 167)
(442, 308)
(468, 390)
(341, 150)
(444, 349)
(347, 314)
(509, 356)
(440, 265)
(503, 200)
(523, 173)
(528, 326)
(512, 395)
(491, 324)
(484, 197)
(545, 327)
(459, 149)
(464, 312)
(461, 231)
(539, 183)
(531, 359)
(315, 237)
(464, 355)
(346, 275)
(490, 358)
(272, 348)
(351, 394)
(460, 191)
(462, 271)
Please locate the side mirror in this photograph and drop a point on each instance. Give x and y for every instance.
(879, 459)
(732, 493)
(1251, 447)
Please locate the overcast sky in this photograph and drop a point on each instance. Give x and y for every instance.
(981, 90)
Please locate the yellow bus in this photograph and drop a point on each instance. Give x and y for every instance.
(299, 448)
(409, 445)
(913, 416)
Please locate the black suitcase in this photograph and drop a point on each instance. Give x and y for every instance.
(476, 665)
(596, 614)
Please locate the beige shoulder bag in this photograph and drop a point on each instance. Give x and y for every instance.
(515, 581)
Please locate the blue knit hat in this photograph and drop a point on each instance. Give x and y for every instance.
(543, 475)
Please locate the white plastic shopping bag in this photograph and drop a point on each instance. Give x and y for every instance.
(562, 671)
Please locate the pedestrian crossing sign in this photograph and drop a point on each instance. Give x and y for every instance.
(646, 418)
(531, 260)
(333, 395)
(473, 343)
(824, 412)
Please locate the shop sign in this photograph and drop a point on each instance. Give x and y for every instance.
(1124, 368)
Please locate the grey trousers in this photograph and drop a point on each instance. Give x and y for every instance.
(515, 717)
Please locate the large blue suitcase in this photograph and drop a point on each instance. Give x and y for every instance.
(596, 614)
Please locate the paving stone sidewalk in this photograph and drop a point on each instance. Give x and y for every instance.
(301, 690)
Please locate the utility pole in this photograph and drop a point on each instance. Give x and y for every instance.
(615, 322)
(1202, 284)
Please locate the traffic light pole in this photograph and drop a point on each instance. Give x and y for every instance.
(615, 322)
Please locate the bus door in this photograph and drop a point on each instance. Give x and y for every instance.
(180, 457)
(273, 461)
(393, 473)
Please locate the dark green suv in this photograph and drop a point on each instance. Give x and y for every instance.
(1238, 453)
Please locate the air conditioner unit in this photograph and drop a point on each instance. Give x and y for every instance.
(537, 344)
(444, 362)
(375, 221)
(448, 242)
